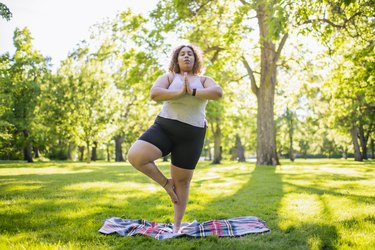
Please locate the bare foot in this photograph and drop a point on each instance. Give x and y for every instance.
(170, 190)
(176, 229)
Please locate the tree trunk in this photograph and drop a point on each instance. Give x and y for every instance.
(36, 152)
(291, 132)
(94, 156)
(70, 150)
(357, 151)
(372, 148)
(118, 148)
(208, 152)
(81, 150)
(108, 153)
(88, 151)
(233, 153)
(240, 150)
(27, 150)
(363, 140)
(266, 131)
(217, 144)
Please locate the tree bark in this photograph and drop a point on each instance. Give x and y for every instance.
(118, 148)
(94, 156)
(291, 130)
(27, 150)
(36, 152)
(217, 144)
(240, 149)
(88, 151)
(81, 150)
(357, 151)
(266, 131)
(108, 152)
(372, 148)
(363, 140)
(70, 149)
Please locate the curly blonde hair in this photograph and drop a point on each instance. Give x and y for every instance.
(198, 62)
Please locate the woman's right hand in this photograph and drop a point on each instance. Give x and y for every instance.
(184, 85)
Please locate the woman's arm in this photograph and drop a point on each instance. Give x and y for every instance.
(210, 91)
(160, 91)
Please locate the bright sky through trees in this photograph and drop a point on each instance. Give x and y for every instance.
(57, 26)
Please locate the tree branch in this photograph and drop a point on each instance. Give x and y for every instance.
(339, 26)
(244, 2)
(254, 87)
(323, 20)
(281, 45)
(217, 49)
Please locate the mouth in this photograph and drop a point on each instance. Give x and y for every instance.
(187, 61)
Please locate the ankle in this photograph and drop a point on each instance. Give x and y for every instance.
(166, 183)
(176, 229)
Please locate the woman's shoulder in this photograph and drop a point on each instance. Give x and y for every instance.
(168, 76)
(205, 78)
(207, 81)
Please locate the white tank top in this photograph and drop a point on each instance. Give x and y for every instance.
(188, 109)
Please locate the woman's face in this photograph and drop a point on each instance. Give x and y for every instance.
(186, 59)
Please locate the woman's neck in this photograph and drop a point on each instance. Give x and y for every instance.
(189, 73)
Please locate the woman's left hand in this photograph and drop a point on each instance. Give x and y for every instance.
(189, 91)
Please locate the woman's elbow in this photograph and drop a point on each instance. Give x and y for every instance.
(153, 95)
(219, 93)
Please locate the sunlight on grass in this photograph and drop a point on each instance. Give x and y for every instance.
(308, 204)
(25, 185)
(39, 171)
(315, 242)
(219, 181)
(300, 208)
(115, 187)
(336, 198)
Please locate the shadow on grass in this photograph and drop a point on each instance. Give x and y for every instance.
(262, 196)
(70, 206)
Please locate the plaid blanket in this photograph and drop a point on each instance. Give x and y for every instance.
(226, 227)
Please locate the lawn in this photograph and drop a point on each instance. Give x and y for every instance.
(308, 204)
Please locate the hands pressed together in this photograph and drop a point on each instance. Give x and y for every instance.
(186, 89)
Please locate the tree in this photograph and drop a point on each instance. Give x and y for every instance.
(26, 71)
(232, 25)
(351, 88)
(5, 12)
(89, 96)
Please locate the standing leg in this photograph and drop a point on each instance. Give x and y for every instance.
(182, 178)
(142, 155)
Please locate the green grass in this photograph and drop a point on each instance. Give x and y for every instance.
(309, 204)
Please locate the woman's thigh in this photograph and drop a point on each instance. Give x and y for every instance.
(142, 152)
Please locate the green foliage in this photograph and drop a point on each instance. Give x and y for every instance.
(101, 90)
(5, 12)
(21, 79)
(333, 21)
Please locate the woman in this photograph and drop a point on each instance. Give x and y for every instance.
(180, 127)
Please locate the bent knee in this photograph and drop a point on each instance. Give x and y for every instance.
(135, 157)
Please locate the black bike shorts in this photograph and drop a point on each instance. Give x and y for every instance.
(183, 141)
